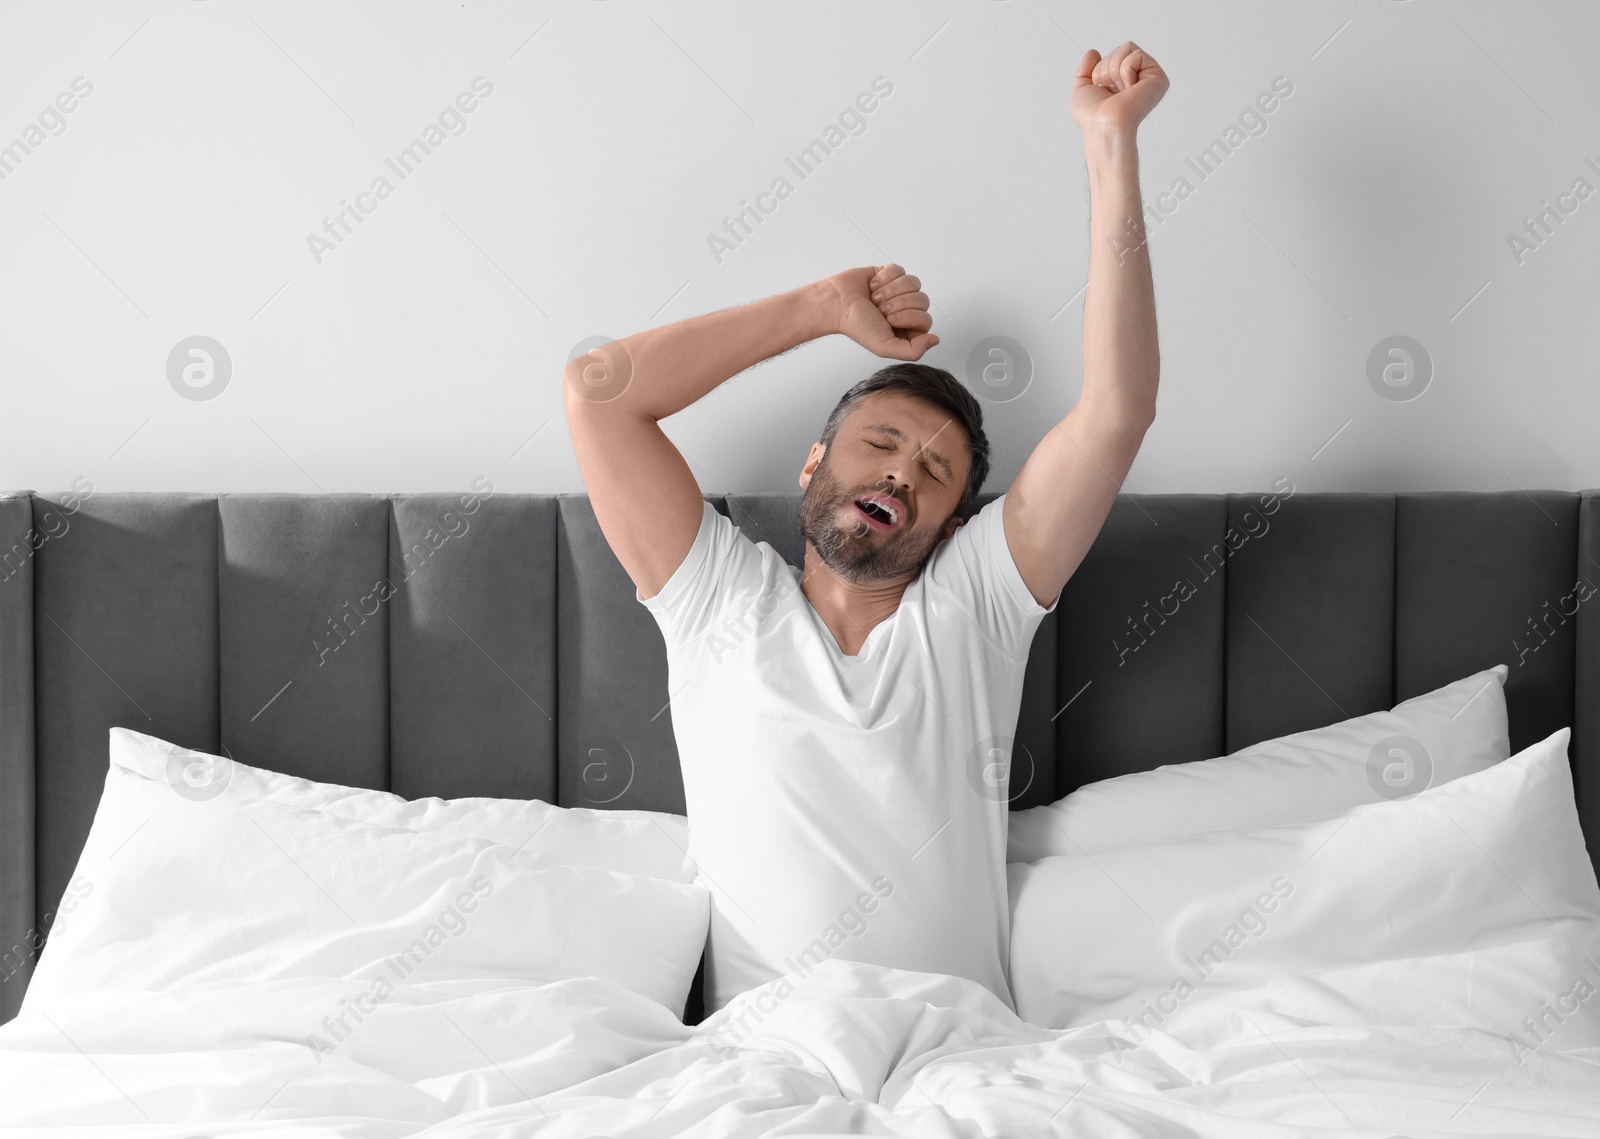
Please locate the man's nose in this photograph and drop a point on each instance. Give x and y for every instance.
(894, 486)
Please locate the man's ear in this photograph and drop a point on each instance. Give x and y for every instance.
(815, 457)
(950, 527)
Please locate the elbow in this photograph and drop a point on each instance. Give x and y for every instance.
(1140, 411)
(575, 386)
(600, 376)
(570, 398)
(1125, 418)
(1138, 414)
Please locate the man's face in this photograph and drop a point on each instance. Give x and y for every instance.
(908, 454)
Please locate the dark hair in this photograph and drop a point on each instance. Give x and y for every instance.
(939, 388)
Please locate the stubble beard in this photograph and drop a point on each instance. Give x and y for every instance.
(853, 550)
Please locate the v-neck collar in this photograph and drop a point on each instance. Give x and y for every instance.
(832, 642)
(861, 653)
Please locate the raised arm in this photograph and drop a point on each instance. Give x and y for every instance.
(645, 496)
(1064, 491)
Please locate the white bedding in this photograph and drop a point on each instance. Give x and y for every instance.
(201, 987)
(1468, 904)
(1426, 741)
(178, 890)
(854, 1048)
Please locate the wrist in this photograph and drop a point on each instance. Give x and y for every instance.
(1105, 143)
(818, 309)
(1112, 156)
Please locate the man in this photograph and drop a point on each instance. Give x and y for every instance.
(844, 729)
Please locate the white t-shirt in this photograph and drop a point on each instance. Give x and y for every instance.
(848, 806)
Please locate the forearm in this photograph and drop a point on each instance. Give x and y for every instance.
(673, 366)
(1121, 360)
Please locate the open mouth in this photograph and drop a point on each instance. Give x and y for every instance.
(879, 512)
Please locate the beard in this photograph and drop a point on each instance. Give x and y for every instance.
(852, 549)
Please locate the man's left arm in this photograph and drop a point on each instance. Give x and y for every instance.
(1061, 497)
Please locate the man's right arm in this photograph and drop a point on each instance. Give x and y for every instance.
(645, 497)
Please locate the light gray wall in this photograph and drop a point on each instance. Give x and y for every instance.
(424, 350)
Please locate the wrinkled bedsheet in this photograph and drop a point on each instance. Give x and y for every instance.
(852, 1048)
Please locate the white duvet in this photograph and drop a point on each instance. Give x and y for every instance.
(226, 967)
(852, 1048)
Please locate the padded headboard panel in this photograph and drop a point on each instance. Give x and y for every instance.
(490, 644)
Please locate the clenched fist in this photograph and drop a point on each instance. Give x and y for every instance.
(884, 310)
(1117, 92)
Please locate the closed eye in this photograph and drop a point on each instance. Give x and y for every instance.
(925, 466)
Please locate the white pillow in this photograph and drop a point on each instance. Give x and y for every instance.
(188, 890)
(1423, 742)
(635, 842)
(1470, 904)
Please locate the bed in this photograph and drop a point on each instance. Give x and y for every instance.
(510, 659)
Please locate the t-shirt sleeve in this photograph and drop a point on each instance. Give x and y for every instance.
(722, 566)
(975, 569)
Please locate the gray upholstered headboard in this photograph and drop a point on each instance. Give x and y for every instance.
(505, 654)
